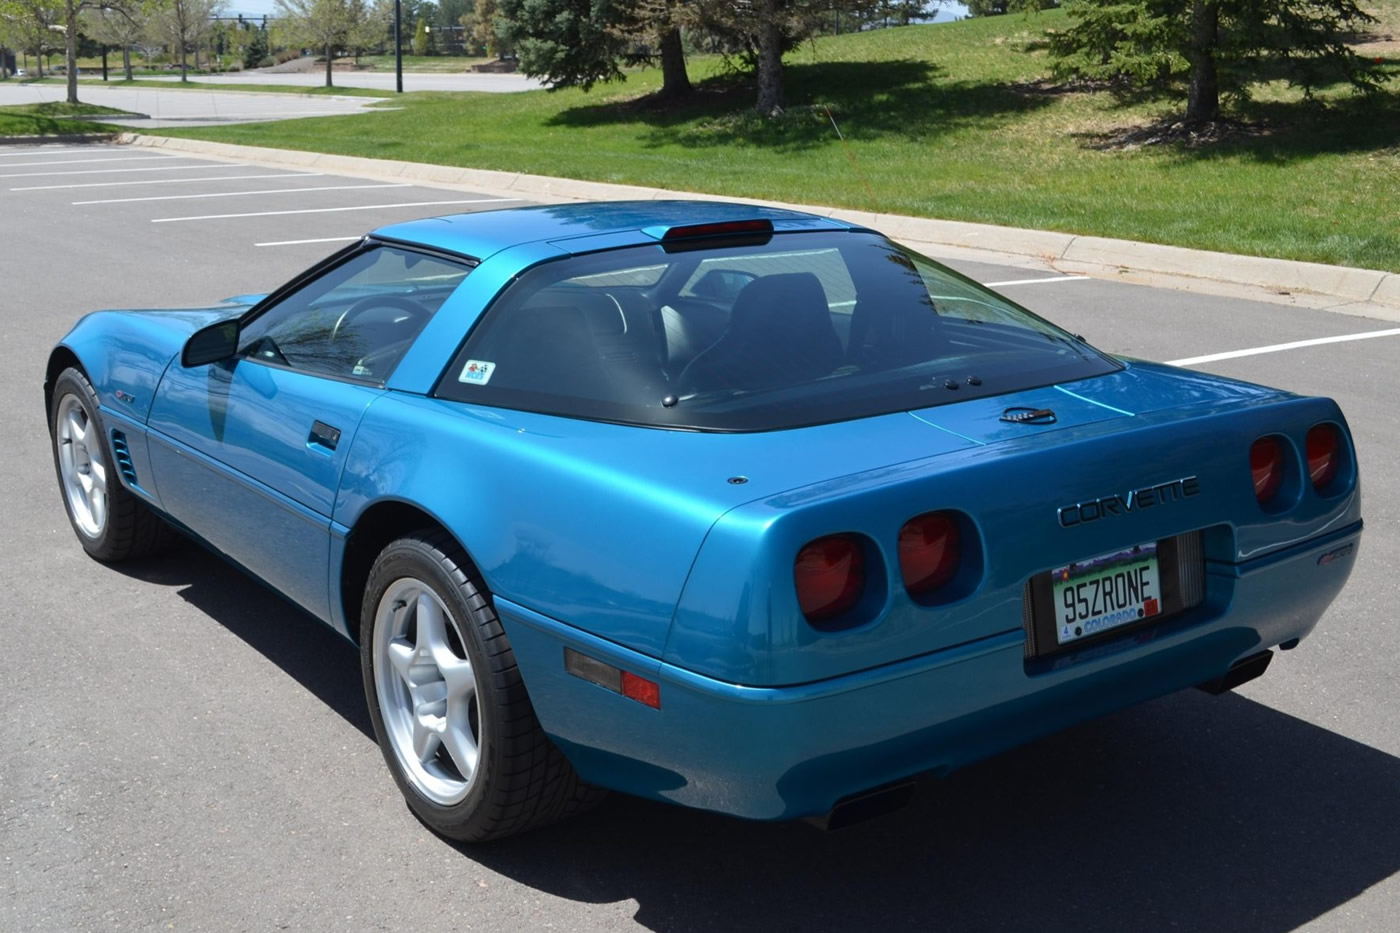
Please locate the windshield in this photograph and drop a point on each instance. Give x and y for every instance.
(776, 332)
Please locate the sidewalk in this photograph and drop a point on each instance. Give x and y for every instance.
(1363, 292)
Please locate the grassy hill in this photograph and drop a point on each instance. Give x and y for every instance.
(958, 121)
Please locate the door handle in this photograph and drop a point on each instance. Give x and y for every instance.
(323, 435)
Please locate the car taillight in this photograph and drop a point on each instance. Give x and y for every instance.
(1324, 454)
(830, 576)
(1266, 465)
(929, 551)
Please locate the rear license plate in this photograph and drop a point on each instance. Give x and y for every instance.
(1102, 593)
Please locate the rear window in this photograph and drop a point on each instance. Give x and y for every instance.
(790, 330)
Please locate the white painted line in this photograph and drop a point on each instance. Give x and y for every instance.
(238, 194)
(166, 181)
(35, 152)
(1275, 348)
(1057, 278)
(120, 158)
(332, 210)
(323, 239)
(115, 171)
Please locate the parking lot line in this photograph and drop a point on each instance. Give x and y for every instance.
(239, 194)
(319, 239)
(115, 171)
(1275, 348)
(120, 158)
(34, 152)
(1054, 278)
(166, 181)
(331, 210)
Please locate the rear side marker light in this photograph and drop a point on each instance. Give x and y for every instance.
(624, 683)
(1324, 454)
(829, 574)
(1266, 467)
(930, 552)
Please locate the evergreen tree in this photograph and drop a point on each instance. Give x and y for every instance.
(1217, 46)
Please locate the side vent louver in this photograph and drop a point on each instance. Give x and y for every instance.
(123, 455)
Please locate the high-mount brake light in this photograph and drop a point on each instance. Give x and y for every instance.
(725, 228)
(830, 576)
(1266, 466)
(930, 551)
(1324, 445)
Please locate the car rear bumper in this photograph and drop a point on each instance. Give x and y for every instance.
(786, 752)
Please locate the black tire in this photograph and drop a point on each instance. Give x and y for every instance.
(128, 527)
(521, 780)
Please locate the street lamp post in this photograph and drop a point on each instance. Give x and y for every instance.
(398, 48)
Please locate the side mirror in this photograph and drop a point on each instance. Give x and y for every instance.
(721, 284)
(210, 344)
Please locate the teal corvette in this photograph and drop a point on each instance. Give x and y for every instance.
(733, 507)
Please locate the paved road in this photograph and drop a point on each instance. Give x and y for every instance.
(184, 751)
(382, 80)
(188, 107)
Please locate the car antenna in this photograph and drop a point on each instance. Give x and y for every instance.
(869, 193)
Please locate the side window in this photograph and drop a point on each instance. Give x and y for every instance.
(357, 320)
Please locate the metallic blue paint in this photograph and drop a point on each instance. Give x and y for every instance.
(633, 546)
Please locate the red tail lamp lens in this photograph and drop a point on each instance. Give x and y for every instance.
(1324, 454)
(929, 551)
(830, 576)
(1266, 464)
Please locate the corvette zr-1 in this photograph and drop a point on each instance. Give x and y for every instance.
(739, 508)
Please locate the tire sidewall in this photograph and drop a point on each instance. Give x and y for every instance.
(73, 383)
(411, 557)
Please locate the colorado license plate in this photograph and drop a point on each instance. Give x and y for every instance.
(1103, 593)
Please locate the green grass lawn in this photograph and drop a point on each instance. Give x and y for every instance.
(435, 64)
(54, 118)
(952, 121)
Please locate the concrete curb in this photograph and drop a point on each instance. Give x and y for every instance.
(1097, 256)
(64, 138)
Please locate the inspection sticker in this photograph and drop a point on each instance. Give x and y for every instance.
(477, 371)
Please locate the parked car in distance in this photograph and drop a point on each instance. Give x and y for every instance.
(734, 507)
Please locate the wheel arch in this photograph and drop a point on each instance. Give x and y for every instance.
(60, 359)
(375, 528)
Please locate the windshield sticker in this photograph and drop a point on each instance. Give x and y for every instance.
(477, 372)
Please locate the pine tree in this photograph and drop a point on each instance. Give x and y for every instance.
(1215, 46)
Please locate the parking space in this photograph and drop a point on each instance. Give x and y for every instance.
(184, 750)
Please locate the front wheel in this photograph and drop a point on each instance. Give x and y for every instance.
(111, 521)
(448, 704)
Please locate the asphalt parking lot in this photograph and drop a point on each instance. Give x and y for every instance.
(183, 750)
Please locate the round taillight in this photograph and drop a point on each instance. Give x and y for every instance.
(929, 551)
(1266, 465)
(1324, 454)
(830, 576)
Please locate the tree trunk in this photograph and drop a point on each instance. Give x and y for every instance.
(126, 61)
(674, 81)
(1203, 99)
(184, 69)
(770, 62)
(70, 48)
(329, 51)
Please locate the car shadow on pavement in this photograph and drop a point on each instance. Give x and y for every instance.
(302, 646)
(1188, 813)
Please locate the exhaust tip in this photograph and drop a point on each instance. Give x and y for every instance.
(1241, 672)
(860, 808)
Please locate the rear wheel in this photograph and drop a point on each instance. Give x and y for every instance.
(111, 522)
(448, 705)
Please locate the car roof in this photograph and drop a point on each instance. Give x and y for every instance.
(482, 233)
